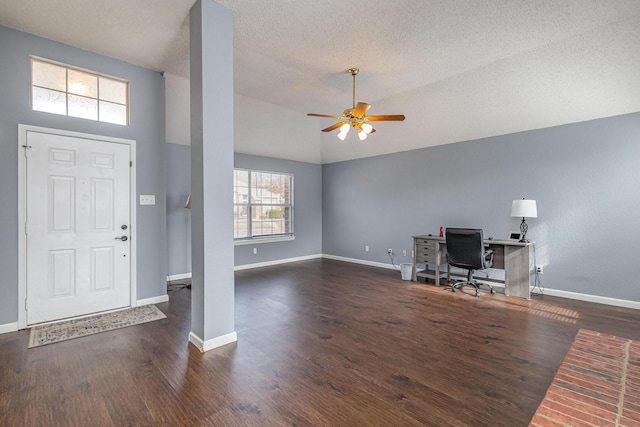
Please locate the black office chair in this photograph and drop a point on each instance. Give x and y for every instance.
(465, 249)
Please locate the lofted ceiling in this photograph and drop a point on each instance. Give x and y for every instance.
(457, 69)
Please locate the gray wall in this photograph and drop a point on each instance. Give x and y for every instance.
(147, 128)
(307, 210)
(178, 218)
(585, 178)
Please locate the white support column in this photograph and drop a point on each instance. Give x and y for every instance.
(212, 290)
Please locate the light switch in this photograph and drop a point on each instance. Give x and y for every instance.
(147, 199)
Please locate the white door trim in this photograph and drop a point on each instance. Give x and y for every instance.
(22, 175)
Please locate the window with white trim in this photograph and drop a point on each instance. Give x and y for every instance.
(262, 204)
(61, 89)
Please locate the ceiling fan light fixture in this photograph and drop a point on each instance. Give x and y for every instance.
(364, 129)
(356, 116)
(344, 130)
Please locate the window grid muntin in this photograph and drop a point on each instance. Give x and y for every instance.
(67, 93)
(251, 206)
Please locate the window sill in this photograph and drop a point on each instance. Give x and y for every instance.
(259, 240)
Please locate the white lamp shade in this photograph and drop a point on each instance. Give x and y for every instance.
(524, 208)
(344, 130)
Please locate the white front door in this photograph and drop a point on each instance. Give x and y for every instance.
(77, 210)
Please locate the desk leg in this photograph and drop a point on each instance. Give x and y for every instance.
(414, 269)
(516, 271)
(441, 256)
(448, 273)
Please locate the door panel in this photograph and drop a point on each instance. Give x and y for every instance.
(63, 268)
(77, 200)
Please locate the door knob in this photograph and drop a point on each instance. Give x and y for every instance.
(123, 238)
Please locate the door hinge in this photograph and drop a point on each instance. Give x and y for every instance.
(26, 306)
(130, 163)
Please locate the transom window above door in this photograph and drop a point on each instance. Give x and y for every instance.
(61, 89)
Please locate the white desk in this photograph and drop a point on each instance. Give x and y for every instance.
(510, 255)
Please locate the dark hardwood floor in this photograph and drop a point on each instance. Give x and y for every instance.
(320, 343)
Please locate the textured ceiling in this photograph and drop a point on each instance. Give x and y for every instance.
(458, 69)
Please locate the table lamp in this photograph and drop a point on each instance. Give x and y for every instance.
(526, 209)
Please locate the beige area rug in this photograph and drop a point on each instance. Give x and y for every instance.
(76, 328)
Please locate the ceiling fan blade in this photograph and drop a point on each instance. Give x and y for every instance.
(386, 118)
(333, 127)
(324, 115)
(361, 109)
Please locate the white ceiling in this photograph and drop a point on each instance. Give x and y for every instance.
(457, 69)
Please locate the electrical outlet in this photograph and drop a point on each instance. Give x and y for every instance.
(366, 248)
(539, 269)
(404, 252)
(390, 251)
(255, 251)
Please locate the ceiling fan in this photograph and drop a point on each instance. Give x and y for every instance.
(355, 116)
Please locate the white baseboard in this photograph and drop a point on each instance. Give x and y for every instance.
(276, 262)
(592, 298)
(8, 327)
(207, 345)
(181, 276)
(152, 300)
(551, 292)
(363, 262)
(229, 338)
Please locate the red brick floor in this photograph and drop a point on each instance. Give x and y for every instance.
(598, 384)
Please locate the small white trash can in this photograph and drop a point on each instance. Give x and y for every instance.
(406, 270)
